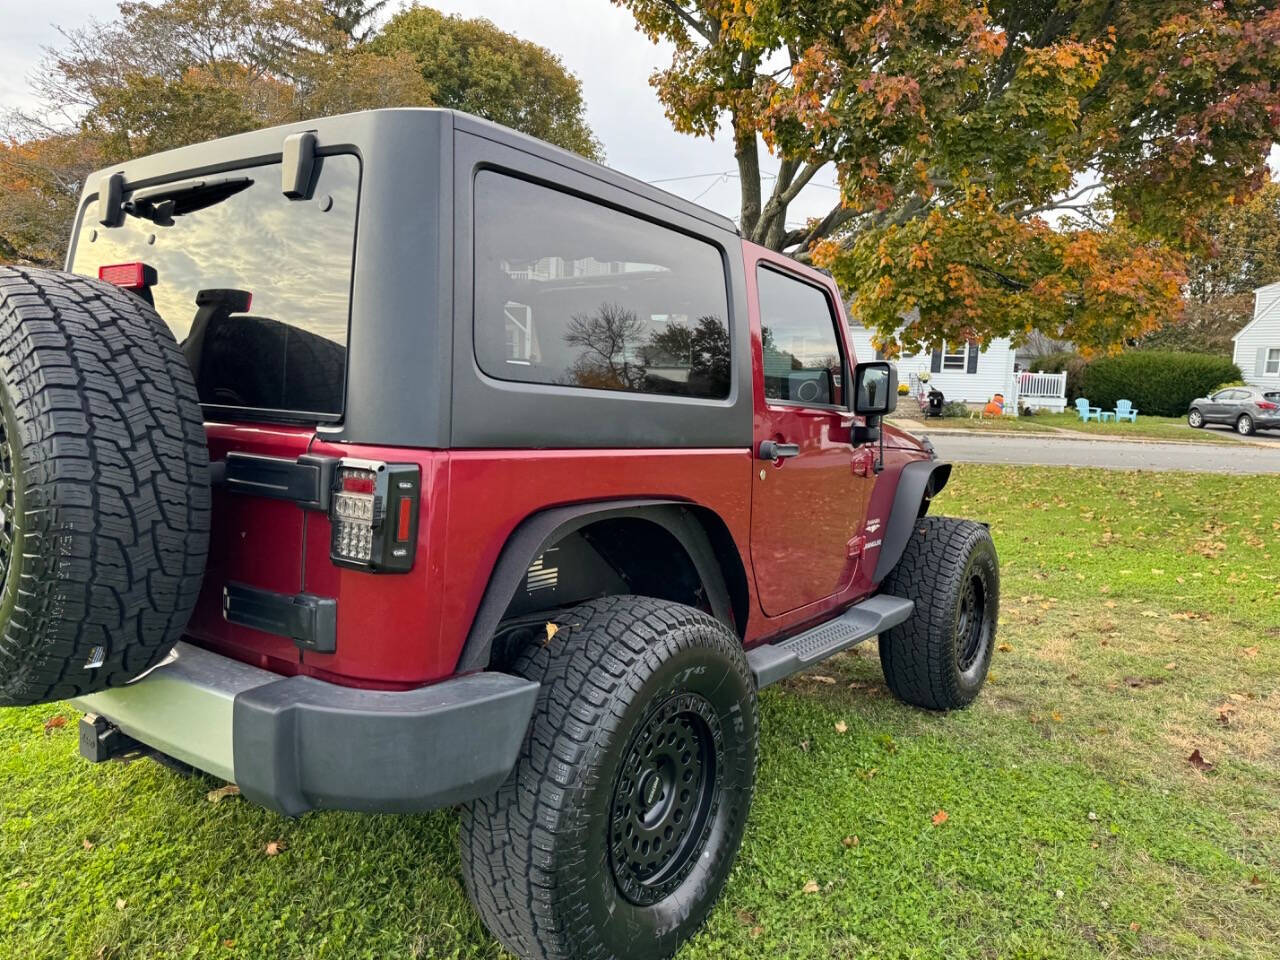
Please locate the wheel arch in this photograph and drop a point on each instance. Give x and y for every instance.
(698, 532)
(918, 483)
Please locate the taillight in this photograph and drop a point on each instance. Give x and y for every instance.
(374, 515)
(1267, 405)
(130, 276)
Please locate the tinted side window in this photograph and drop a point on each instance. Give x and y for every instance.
(573, 293)
(801, 350)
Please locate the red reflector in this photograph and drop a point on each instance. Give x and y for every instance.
(358, 483)
(406, 515)
(131, 276)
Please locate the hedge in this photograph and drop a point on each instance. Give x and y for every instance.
(1157, 382)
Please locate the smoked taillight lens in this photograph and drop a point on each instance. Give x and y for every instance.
(374, 515)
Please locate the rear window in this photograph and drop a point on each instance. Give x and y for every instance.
(574, 293)
(255, 287)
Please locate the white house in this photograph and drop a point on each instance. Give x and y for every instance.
(1257, 351)
(964, 373)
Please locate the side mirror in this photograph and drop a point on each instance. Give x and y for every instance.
(875, 389)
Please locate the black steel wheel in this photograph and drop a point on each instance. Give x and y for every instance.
(938, 658)
(616, 830)
(664, 796)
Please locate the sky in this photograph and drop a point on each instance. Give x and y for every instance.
(594, 39)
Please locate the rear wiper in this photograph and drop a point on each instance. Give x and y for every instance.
(161, 204)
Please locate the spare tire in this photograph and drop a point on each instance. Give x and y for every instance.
(104, 487)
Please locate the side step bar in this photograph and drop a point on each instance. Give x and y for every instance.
(772, 662)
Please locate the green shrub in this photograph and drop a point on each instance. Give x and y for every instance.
(1072, 363)
(954, 408)
(1157, 382)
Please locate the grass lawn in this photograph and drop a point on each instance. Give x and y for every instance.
(1150, 428)
(1140, 623)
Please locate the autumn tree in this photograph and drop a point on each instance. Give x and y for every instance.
(1004, 167)
(473, 66)
(181, 71)
(1242, 253)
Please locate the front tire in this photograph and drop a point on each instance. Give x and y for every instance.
(939, 657)
(1195, 419)
(1244, 425)
(617, 828)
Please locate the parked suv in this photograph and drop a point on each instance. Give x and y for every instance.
(1247, 409)
(397, 460)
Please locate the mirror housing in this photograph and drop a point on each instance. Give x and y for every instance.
(875, 389)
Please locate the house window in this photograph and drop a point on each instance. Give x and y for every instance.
(1272, 366)
(955, 356)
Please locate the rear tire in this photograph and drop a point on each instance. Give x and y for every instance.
(616, 830)
(1244, 425)
(1195, 419)
(939, 657)
(103, 484)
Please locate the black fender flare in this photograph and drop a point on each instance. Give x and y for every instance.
(541, 529)
(918, 482)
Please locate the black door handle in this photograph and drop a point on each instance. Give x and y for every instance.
(772, 450)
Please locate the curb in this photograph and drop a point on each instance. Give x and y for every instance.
(916, 427)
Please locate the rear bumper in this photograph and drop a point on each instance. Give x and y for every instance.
(295, 744)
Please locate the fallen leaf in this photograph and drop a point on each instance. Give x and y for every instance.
(552, 630)
(53, 723)
(850, 841)
(1109, 603)
(1093, 816)
(1150, 613)
(746, 918)
(940, 818)
(821, 678)
(1199, 762)
(1135, 926)
(87, 844)
(1255, 881)
(841, 727)
(1056, 717)
(229, 944)
(121, 903)
(274, 848)
(1004, 648)
(1250, 652)
(811, 887)
(1171, 665)
(229, 790)
(804, 745)
(755, 932)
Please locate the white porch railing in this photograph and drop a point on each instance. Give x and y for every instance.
(1039, 391)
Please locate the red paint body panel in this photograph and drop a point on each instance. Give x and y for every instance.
(807, 532)
(253, 541)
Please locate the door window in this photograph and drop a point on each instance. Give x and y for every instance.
(802, 359)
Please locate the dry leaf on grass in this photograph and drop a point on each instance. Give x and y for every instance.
(53, 723)
(850, 841)
(121, 903)
(274, 847)
(1199, 762)
(940, 818)
(1005, 648)
(811, 887)
(1171, 665)
(1250, 652)
(87, 844)
(841, 727)
(229, 790)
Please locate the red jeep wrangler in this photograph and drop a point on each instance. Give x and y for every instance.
(397, 460)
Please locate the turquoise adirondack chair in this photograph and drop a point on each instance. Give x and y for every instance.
(1125, 411)
(1087, 412)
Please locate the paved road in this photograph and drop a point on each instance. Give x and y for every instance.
(1112, 454)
